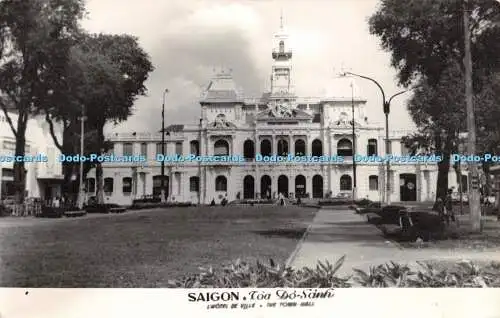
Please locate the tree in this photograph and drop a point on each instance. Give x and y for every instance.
(85, 75)
(424, 36)
(105, 76)
(426, 42)
(35, 38)
(439, 113)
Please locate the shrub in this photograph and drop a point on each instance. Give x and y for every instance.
(334, 202)
(241, 274)
(152, 205)
(463, 274)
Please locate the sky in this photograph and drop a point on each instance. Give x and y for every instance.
(188, 39)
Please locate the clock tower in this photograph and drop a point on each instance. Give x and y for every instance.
(281, 86)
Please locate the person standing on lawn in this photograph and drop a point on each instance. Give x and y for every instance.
(439, 207)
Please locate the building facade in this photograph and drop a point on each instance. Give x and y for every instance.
(43, 179)
(276, 123)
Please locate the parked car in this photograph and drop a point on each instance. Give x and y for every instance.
(390, 214)
(373, 207)
(343, 195)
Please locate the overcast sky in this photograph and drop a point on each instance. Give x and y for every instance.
(187, 39)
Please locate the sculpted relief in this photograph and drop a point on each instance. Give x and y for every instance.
(280, 109)
(221, 122)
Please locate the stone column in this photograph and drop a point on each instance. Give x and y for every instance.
(148, 180)
(291, 145)
(307, 145)
(274, 145)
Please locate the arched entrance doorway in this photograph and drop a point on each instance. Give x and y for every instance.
(265, 187)
(157, 186)
(317, 186)
(248, 187)
(283, 185)
(408, 187)
(300, 186)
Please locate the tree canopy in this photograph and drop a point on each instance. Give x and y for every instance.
(35, 39)
(105, 75)
(424, 36)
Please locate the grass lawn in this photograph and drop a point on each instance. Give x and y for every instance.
(146, 248)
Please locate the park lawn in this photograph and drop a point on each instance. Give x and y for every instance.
(146, 248)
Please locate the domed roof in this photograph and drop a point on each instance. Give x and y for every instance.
(342, 87)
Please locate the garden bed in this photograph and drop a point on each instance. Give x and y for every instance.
(270, 275)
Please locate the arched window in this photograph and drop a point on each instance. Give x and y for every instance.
(282, 147)
(345, 183)
(178, 148)
(300, 147)
(373, 183)
(372, 147)
(194, 184)
(220, 183)
(127, 185)
(157, 185)
(108, 185)
(265, 147)
(248, 187)
(158, 148)
(194, 147)
(317, 186)
(221, 148)
(317, 148)
(282, 46)
(144, 149)
(344, 148)
(248, 150)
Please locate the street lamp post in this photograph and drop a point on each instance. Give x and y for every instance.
(163, 197)
(387, 109)
(82, 138)
(354, 175)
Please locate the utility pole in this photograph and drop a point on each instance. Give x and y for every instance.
(163, 196)
(474, 195)
(354, 193)
(82, 139)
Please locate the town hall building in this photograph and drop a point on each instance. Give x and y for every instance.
(276, 123)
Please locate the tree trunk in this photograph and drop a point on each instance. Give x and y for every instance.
(458, 174)
(99, 183)
(19, 172)
(69, 168)
(442, 180)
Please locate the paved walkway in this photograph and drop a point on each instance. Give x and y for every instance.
(339, 231)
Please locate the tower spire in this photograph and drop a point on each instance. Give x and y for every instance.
(281, 18)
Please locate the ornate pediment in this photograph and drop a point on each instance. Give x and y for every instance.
(282, 110)
(344, 123)
(221, 122)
